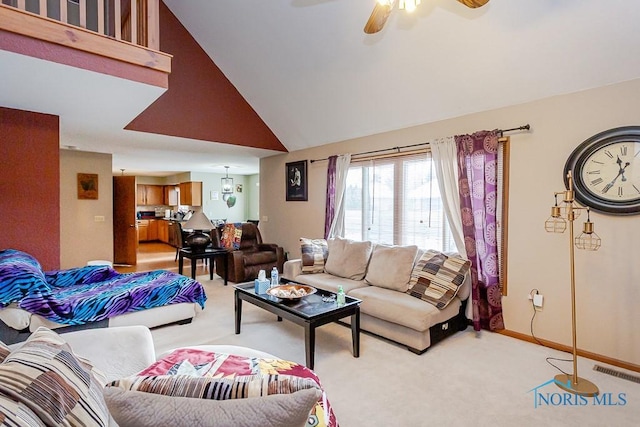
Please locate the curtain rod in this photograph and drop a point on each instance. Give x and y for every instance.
(397, 149)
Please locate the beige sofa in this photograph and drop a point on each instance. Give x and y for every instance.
(379, 275)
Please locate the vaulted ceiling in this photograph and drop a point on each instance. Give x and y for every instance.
(311, 76)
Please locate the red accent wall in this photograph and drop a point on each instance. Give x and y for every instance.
(201, 103)
(30, 184)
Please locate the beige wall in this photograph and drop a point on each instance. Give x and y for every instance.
(607, 281)
(82, 238)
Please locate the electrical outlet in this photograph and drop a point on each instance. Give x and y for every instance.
(538, 300)
(98, 218)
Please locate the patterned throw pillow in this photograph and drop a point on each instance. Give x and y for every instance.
(314, 254)
(436, 278)
(231, 236)
(4, 351)
(239, 387)
(60, 388)
(13, 413)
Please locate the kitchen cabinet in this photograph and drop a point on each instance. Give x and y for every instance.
(171, 195)
(191, 193)
(150, 195)
(147, 230)
(143, 228)
(163, 231)
(152, 232)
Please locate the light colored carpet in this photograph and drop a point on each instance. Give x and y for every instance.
(468, 379)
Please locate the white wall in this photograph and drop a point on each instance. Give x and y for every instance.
(608, 288)
(82, 238)
(218, 209)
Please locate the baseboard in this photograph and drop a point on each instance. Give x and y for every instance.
(568, 349)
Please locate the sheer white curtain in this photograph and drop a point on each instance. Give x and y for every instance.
(342, 167)
(445, 160)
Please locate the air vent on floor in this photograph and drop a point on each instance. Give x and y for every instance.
(615, 373)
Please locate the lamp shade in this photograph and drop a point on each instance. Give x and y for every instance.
(198, 221)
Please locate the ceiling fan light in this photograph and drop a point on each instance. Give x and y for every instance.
(409, 5)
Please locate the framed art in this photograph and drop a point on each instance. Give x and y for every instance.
(296, 176)
(88, 186)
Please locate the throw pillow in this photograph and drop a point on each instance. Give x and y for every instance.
(4, 351)
(348, 258)
(14, 413)
(436, 278)
(314, 255)
(20, 275)
(390, 267)
(134, 408)
(231, 236)
(216, 388)
(59, 387)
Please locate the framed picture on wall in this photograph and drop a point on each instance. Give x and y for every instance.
(88, 186)
(296, 176)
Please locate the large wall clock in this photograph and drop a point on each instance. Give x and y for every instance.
(606, 171)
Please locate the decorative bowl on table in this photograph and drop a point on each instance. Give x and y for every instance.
(291, 292)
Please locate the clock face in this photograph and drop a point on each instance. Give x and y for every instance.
(606, 171)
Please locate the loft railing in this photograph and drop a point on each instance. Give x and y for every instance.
(134, 21)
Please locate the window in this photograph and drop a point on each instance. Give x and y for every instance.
(396, 200)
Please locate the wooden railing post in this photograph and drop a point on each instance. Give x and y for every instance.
(153, 24)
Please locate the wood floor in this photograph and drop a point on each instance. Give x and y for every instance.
(159, 256)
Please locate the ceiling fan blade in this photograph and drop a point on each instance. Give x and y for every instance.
(474, 3)
(378, 17)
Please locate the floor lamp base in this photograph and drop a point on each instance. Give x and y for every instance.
(582, 387)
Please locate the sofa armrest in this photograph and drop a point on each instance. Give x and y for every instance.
(118, 352)
(292, 268)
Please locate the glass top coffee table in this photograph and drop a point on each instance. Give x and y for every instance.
(309, 312)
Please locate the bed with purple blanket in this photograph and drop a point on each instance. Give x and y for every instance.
(91, 296)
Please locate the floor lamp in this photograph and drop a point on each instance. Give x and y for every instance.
(588, 240)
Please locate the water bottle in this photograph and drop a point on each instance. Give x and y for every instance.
(340, 300)
(274, 277)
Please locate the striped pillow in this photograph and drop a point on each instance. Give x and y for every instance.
(436, 278)
(238, 387)
(60, 388)
(314, 255)
(14, 413)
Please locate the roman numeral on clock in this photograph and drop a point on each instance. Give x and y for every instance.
(619, 191)
(596, 181)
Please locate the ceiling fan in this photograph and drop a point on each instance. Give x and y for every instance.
(383, 8)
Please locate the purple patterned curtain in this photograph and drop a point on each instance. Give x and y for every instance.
(330, 209)
(477, 179)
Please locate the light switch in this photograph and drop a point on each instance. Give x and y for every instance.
(98, 218)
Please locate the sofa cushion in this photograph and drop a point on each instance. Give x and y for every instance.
(401, 308)
(348, 258)
(329, 282)
(20, 275)
(314, 255)
(134, 408)
(437, 278)
(259, 257)
(390, 266)
(60, 388)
